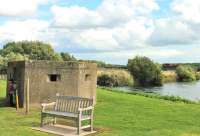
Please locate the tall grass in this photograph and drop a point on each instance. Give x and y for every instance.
(120, 77)
(169, 76)
(124, 78)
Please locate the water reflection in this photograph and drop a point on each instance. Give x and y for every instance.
(189, 91)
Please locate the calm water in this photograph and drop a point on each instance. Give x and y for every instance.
(189, 91)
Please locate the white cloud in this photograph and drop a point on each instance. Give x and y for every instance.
(188, 9)
(110, 13)
(133, 34)
(23, 30)
(180, 28)
(114, 25)
(115, 31)
(96, 39)
(144, 7)
(172, 31)
(75, 17)
(130, 35)
(19, 7)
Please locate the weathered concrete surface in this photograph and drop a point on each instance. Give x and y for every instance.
(73, 79)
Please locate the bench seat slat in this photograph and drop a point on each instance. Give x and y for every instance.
(84, 127)
(67, 114)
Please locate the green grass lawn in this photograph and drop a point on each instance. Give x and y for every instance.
(119, 114)
(2, 88)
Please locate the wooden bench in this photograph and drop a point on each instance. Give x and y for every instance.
(77, 108)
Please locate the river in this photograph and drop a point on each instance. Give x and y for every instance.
(190, 91)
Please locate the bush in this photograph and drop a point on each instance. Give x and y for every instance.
(145, 71)
(114, 77)
(106, 80)
(197, 76)
(185, 73)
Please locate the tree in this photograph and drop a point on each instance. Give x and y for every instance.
(34, 50)
(145, 71)
(67, 57)
(185, 73)
(57, 57)
(30, 50)
(15, 57)
(3, 62)
(11, 57)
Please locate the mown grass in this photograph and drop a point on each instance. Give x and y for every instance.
(127, 114)
(2, 88)
(119, 114)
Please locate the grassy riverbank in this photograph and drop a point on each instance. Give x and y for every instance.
(153, 95)
(119, 114)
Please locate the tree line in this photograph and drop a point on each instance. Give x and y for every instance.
(37, 50)
(144, 71)
(31, 50)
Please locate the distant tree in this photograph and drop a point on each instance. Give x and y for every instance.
(99, 63)
(185, 73)
(145, 71)
(3, 62)
(34, 50)
(15, 57)
(11, 57)
(67, 57)
(57, 57)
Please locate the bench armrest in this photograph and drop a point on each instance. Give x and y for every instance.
(44, 105)
(86, 109)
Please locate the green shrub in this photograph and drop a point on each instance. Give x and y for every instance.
(106, 80)
(197, 76)
(185, 73)
(114, 77)
(145, 71)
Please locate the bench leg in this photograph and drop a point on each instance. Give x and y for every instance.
(54, 120)
(91, 120)
(42, 120)
(79, 124)
(91, 124)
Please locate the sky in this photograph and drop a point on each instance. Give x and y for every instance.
(113, 31)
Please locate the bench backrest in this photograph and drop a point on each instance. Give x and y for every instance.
(72, 104)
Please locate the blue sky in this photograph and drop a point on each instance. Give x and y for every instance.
(91, 4)
(108, 30)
